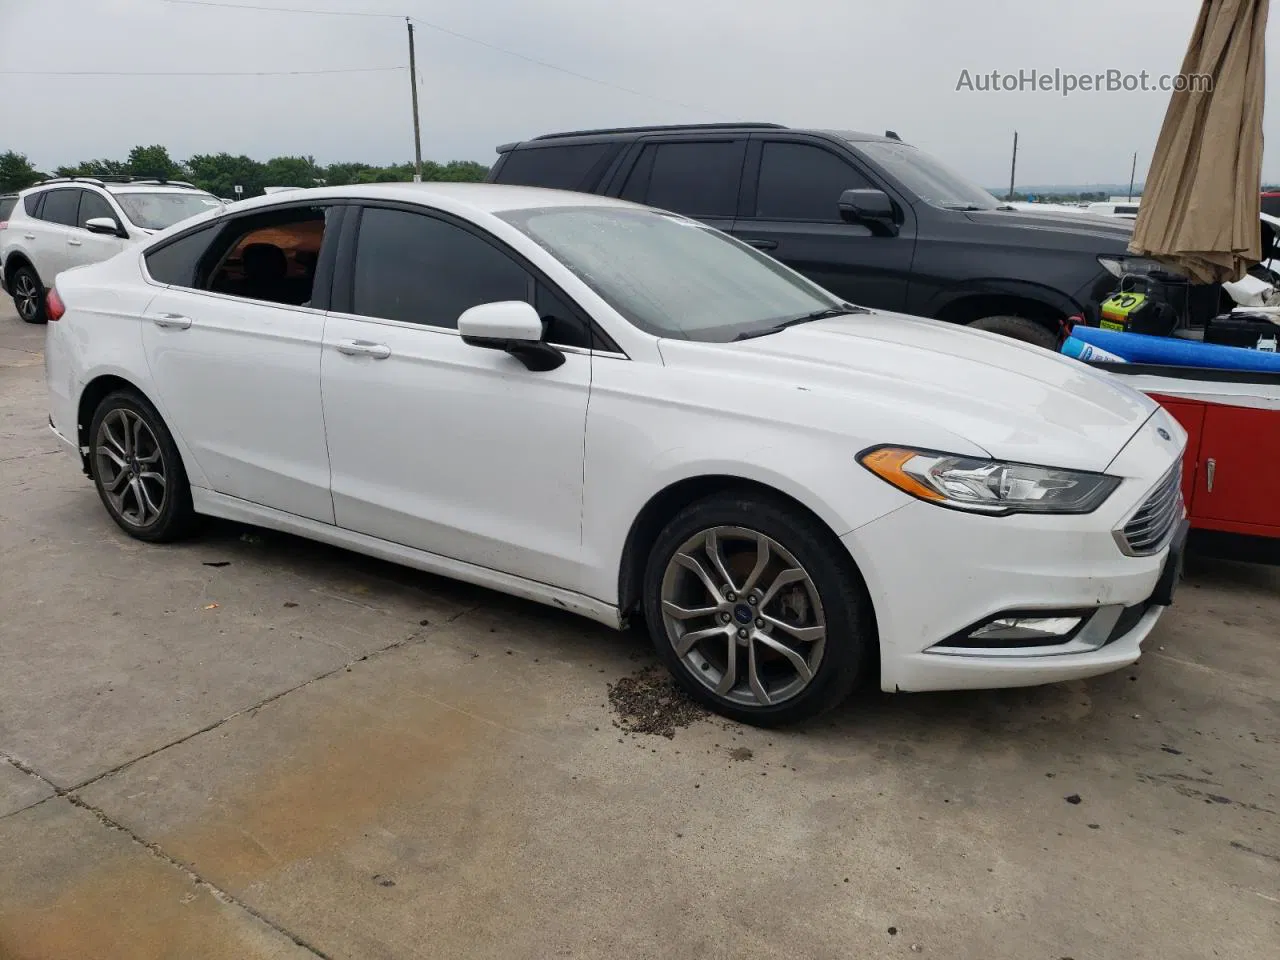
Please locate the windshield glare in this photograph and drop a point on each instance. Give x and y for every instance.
(156, 211)
(669, 276)
(934, 182)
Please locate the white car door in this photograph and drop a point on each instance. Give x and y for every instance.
(84, 246)
(236, 368)
(456, 450)
(52, 234)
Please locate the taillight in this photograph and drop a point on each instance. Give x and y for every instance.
(4, 224)
(54, 308)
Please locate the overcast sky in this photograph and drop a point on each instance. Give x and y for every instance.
(861, 64)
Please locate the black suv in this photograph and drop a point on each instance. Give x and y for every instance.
(870, 218)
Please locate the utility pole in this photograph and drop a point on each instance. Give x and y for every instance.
(1013, 170)
(413, 89)
(1133, 173)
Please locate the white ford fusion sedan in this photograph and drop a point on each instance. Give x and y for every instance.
(626, 414)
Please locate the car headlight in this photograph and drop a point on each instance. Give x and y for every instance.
(1119, 266)
(992, 487)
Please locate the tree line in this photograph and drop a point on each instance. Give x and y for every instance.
(220, 173)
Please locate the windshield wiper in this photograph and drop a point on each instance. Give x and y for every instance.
(963, 207)
(827, 314)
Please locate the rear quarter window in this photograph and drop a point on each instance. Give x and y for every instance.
(562, 168)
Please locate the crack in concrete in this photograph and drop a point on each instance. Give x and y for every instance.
(29, 456)
(250, 710)
(70, 793)
(218, 893)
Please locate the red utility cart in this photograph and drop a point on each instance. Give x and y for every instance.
(1231, 473)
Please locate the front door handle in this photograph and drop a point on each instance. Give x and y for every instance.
(75, 243)
(1211, 468)
(364, 348)
(762, 244)
(171, 321)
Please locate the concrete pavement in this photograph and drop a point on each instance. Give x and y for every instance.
(253, 746)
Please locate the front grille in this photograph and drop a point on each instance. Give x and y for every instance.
(1149, 528)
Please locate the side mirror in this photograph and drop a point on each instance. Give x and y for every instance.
(873, 208)
(107, 225)
(512, 326)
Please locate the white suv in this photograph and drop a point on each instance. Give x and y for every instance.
(71, 221)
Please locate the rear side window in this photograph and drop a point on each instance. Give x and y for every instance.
(419, 269)
(60, 207)
(31, 204)
(799, 181)
(91, 206)
(563, 168)
(178, 263)
(699, 179)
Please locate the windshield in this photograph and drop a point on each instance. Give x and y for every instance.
(155, 211)
(934, 182)
(672, 277)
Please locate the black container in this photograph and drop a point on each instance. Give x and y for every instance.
(1240, 330)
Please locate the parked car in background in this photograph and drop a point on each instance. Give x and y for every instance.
(7, 201)
(1127, 210)
(71, 221)
(874, 220)
(624, 413)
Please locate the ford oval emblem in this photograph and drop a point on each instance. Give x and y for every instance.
(1164, 434)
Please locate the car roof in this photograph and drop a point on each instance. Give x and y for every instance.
(479, 197)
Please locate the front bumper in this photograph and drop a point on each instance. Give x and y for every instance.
(934, 574)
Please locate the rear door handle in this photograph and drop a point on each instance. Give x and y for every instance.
(28, 236)
(1212, 469)
(171, 321)
(364, 348)
(762, 244)
(75, 243)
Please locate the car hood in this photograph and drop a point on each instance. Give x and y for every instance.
(1015, 401)
(1113, 230)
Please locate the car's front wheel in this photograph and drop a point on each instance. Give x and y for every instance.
(137, 469)
(1019, 328)
(757, 609)
(28, 295)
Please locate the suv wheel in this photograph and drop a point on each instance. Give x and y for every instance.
(137, 469)
(757, 609)
(28, 295)
(1019, 328)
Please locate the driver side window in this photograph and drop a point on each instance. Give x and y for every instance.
(419, 269)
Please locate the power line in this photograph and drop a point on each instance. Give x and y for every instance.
(460, 36)
(192, 73)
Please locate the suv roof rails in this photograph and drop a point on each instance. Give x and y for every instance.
(109, 179)
(661, 128)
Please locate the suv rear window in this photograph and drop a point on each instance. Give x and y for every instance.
(563, 168)
(60, 206)
(6, 206)
(699, 179)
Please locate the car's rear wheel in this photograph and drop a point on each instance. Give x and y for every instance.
(1019, 328)
(28, 295)
(138, 471)
(757, 609)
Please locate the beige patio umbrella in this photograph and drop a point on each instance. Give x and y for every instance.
(1199, 211)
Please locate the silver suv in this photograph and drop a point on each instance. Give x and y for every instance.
(71, 221)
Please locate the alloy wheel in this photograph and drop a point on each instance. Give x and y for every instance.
(743, 615)
(26, 296)
(131, 467)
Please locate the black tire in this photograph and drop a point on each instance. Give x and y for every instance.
(31, 308)
(175, 517)
(1020, 328)
(845, 606)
